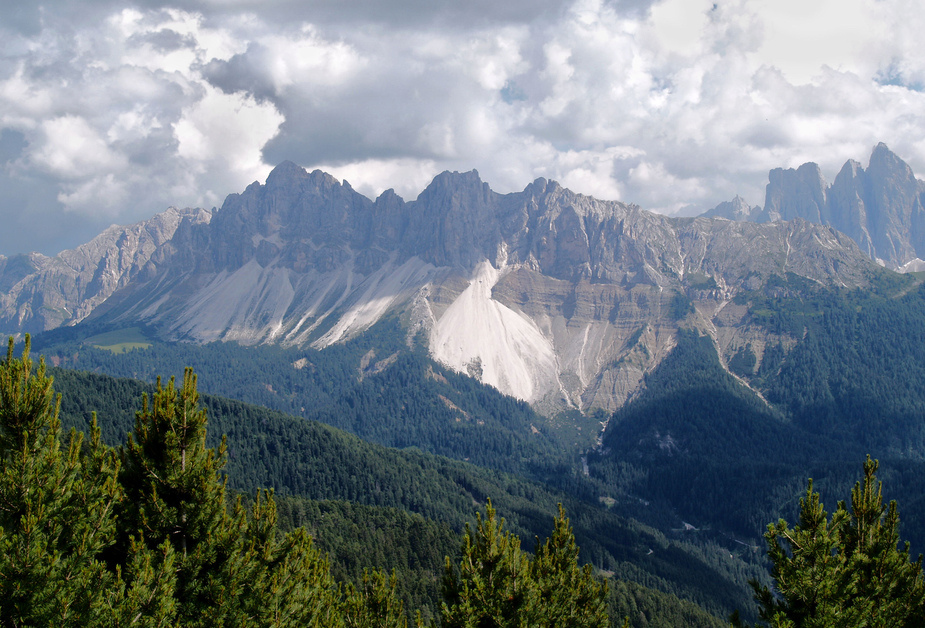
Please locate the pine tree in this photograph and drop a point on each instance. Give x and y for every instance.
(885, 584)
(498, 586)
(844, 571)
(568, 595)
(89, 538)
(289, 581)
(56, 508)
(147, 601)
(374, 604)
(232, 569)
(173, 494)
(493, 586)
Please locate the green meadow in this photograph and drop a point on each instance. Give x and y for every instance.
(119, 341)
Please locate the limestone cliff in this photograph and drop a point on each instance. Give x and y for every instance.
(550, 296)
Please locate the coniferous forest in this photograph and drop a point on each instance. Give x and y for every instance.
(148, 534)
(394, 482)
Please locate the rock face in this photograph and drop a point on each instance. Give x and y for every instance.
(550, 296)
(796, 193)
(881, 208)
(38, 293)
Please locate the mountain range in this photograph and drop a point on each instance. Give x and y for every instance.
(550, 296)
(712, 363)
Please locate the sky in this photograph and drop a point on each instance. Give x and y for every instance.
(111, 111)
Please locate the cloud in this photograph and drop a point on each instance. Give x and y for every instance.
(801, 38)
(407, 177)
(117, 118)
(116, 113)
(226, 128)
(72, 149)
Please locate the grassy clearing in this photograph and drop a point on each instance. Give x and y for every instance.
(119, 341)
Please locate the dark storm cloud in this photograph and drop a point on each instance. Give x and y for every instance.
(381, 112)
(27, 16)
(243, 72)
(447, 13)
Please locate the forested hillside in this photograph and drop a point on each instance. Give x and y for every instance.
(729, 452)
(303, 459)
(375, 387)
(145, 531)
(675, 497)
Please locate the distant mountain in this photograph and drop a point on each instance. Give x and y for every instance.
(736, 209)
(38, 292)
(550, 296)
(881, 208)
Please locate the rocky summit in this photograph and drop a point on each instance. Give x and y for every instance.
(553, 297)
(881, 208)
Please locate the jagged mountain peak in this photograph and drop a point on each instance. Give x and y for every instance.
(456, 185)
(882, 152)
(275, 221)
(809, 174)
(881, 208)
(808, 171)
(811, 169)
(795, 193)
(286, 170)
(456, 178)
(388, 196)
(289, 178)
(65, 289)
(886, 163)
(542, 186)
(851, 169)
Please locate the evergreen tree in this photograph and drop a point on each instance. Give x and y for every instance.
(173, 496)
(497, 586)
(147, 601)
(57, 515)
(883, 579)
(286, 580)
(375, 604)
(568, 595)
(493, 587)
(844, 571)
(232, 568)
(55, 511)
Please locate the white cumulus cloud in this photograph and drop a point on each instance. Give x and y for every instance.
(116, 111)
